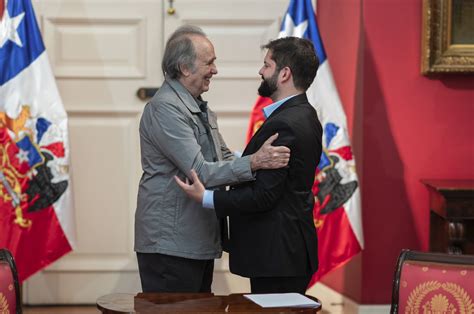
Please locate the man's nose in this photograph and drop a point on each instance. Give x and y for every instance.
(260, 71)
(214, 69)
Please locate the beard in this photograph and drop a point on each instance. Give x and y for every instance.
(268, 86)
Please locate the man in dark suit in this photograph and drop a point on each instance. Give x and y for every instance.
(272, 233)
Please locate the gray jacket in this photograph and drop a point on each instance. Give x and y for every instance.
(174, 140)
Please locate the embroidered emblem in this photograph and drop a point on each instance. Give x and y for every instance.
(335, 181)
(30, 173)
(438, 304)
(4, 308)
(421, 299)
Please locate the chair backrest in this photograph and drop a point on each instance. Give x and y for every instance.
(433, 283)
(10, 299)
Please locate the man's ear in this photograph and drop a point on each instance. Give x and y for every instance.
(184, 70)
(285, 74)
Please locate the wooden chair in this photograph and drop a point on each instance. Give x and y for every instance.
(10, 299)
(433, 283)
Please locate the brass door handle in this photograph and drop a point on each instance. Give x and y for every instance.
(145, 93)
(171, 10)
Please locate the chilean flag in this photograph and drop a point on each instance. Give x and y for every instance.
(337, 212)
(36, 208)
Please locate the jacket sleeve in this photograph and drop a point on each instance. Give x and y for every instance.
(262, 194)
(173, 134)
(227, 154)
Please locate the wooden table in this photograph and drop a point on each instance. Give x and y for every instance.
(451, 216)
(188, 303)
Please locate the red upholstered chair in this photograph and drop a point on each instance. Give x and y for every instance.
(10, 300)
(433, 283)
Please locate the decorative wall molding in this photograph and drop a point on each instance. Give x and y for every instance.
(96, 47)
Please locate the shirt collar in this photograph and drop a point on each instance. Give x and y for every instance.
(268, 110)
(201, 103)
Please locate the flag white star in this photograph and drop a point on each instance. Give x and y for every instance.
(22, 156)
(291, 29)
(9, 28)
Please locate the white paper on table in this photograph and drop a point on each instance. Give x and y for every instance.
(282, 300)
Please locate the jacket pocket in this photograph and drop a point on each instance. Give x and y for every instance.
(168, 216)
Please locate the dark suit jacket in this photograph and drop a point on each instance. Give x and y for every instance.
(272, 231)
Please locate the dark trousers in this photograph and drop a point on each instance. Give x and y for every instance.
(279, 284)
(166, 273)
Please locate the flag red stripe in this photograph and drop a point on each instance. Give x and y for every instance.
(37, 246)
(336, 242)
(2, 6)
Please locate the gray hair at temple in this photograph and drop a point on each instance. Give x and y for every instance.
(180, 51)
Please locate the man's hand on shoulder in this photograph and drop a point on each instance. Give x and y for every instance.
(270, 157)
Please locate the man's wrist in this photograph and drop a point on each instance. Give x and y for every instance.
(254, 166)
